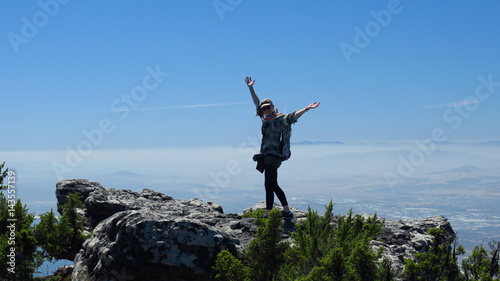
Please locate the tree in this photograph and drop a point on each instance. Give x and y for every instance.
(3, 175)
(321, 250)
(18, 246)
(315, 236)
(230, 268)
(26, 246)
(386, 272)
(266, 252)
(264, 257)
(348, 254)
(438, 263)
(481, 264)
(61, 237)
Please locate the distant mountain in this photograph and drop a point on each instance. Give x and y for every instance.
(317, 142)
(485, 143)
(493, 142)
(490, 143)
(460, 170)
(466, 169)
(122, 174)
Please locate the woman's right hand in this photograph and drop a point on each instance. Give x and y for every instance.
(249, 81)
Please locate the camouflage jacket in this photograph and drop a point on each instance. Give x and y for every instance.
(276, 133)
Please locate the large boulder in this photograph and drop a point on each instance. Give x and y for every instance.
(151, 236)
(403, 239)
(66, 187)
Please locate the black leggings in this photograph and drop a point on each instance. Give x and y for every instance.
(271, 184)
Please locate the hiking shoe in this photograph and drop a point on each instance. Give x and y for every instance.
(287, 216)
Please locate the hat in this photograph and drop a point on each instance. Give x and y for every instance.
(262, 104)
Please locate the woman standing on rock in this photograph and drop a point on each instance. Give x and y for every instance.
(275, 146)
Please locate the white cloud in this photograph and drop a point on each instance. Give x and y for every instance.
(187, 106)
(452, 104)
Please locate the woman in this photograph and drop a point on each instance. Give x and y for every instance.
(276, 130)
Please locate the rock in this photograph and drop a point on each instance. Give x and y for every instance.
(61, 273)
(66, 187)
(152, 236)
(402, 239)
(298, 215)
(147, 245)
(64, 272)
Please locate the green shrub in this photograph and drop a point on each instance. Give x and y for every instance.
(320, 250)
(437, 263)
(60, 237)
(481, 264)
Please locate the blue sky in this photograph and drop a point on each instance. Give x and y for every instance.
(155, 88)
(67, 65)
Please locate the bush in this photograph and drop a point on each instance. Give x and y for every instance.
(52, 238)
(337, 252)
(320, 251)
(61, 237)
(16, 237)
(438, 263)
(230, 268)
(481, 264)
(264, 256)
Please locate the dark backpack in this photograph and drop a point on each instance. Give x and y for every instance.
(286, 135)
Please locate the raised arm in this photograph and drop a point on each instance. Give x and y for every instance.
(299, 113)
(250, 83)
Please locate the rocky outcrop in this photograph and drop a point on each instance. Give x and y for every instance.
(66, 187)
(402, 239)
(152, 236)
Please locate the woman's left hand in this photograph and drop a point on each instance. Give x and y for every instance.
(313, 105)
